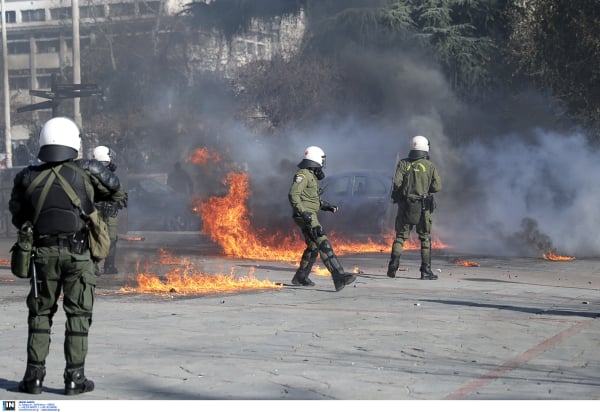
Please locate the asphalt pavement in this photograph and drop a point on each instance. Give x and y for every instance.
(507, 329)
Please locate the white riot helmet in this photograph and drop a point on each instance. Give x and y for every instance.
(60, 140)
(102, 154)
(420, 143)
(105, 155)
(315, 154)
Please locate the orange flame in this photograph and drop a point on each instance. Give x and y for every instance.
(203, 156)
(4, 262)
(319, 271)
(132, 238)
(466, 263)
(226, 220)
(186, 279)
(553, 256)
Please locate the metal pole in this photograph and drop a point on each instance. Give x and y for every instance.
(76, 60)
(6, 90)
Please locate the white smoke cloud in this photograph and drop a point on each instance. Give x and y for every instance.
(515, 186)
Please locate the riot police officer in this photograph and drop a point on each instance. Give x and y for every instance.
(415, 181)
(109, 211)
(305, 198)
(62, 261)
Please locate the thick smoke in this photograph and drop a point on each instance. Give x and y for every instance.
(513, 187)
(520, 194)
(526, 196)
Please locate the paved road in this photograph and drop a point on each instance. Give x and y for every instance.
(508, 329)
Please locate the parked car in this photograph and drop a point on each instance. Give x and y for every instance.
(153, 205)
(363, 199)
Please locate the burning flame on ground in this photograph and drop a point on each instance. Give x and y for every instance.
(4, 262)
(553, 256)
(466, 263)
(132, 238)
(319, 271)
(186, 279)
(226, 220)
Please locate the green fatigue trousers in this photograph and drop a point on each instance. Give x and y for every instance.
(59, 270)
(423, 229)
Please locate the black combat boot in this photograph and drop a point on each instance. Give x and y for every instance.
(109, 262)
(340, 280)
(426, 273)
(393, 266)
(306, 264)
(76, 382)
(32, 381)
(331, 262)
(302, 279)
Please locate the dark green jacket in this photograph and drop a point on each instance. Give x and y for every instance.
(304, 192)
(415, 178)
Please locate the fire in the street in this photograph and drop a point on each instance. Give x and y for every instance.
(319, 271)
(203, 155)
(186, 279)
(132, 238)
(226, 220)
(551, 255)
(461, 262)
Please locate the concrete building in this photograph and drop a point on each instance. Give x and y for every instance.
(39, 36)
(40, 44)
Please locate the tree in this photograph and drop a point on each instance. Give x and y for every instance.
(556, 45)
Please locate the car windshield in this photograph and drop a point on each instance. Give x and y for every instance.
(369, 186)
(155, 187)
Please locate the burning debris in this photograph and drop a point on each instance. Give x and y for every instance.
(467, 263)
(186, 279)
(551, 255)
(132, 238)
(203, 155)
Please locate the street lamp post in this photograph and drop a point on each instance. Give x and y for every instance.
(6, 91)
(76, 60)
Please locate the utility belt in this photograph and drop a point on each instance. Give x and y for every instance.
(76, 242)
(416, 206)
(426, 201)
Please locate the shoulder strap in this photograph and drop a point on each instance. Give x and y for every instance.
(35, 183)
(79, 170)
(69, 191)
(43, 196)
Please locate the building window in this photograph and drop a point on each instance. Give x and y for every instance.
(47, 46)
(44, 82)
(61, 13)
(149, 8)
(18, 47)
(11, 16)
(18, 79)
(33, 15)
(122, 9)
(92, 12)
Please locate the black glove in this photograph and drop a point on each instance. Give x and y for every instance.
(123, 202)
(307, 217)
(328, 207)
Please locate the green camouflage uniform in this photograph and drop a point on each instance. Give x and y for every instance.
(413, 181)
(59, 269)
(109, 212)
(304, 197)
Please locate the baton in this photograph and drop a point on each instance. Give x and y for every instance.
(34, 276)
